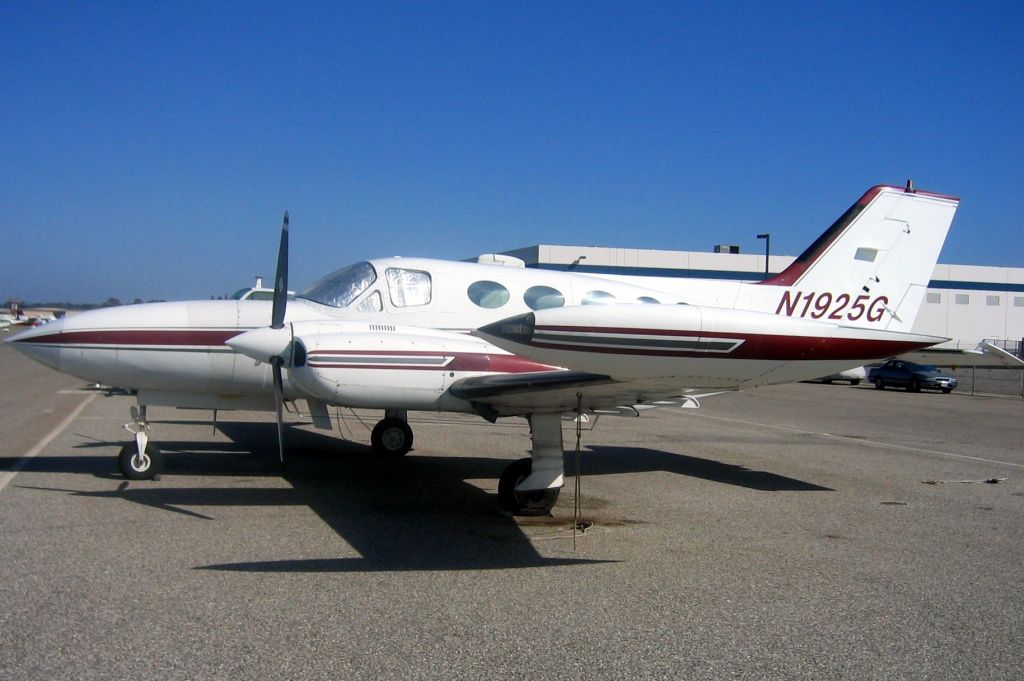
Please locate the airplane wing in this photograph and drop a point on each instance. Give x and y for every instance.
(502, 385)
(985, 355)
(563, 391)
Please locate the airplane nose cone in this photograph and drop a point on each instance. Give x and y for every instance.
(518, 329)
(26, 334)
(262, 344)
(41, 343)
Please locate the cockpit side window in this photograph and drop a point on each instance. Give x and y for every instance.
(370, 303)
(408, 288)
(341, 287)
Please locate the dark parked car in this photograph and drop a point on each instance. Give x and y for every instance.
(913, 377)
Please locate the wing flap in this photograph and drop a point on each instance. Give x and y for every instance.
(485, 388)
(564, 391)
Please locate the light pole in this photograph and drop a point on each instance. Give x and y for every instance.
(767, 250)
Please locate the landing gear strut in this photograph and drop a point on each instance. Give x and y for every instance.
(392, 435)
(140, 460)
(530, 487)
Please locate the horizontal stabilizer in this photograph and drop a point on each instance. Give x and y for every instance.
(985, 355)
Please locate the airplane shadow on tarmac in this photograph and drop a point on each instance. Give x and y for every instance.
(416, 513)
(603, 460)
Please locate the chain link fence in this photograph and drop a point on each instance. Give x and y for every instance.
(994, 381)
(984, 380)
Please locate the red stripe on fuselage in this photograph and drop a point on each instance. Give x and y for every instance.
(128, 337)
(763, 347)
(627, 331)
(462, 361)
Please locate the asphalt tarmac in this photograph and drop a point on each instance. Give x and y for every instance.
(783, 533)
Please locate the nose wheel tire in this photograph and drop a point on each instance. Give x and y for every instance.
(391, 437)
(531, 503)
(136, 466)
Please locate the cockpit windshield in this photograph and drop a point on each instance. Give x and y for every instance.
(341, 287)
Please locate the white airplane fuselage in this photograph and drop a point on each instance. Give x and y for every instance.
(394, 333)
(406, 356)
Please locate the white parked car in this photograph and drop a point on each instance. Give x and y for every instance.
(854, 376)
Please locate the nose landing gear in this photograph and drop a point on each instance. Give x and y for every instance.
(140, 460)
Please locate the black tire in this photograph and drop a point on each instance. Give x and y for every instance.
(879, 384)
(855, 381)
(914, 386)
(532, 503)
(135, 467)
(947, 390)
(391, 437)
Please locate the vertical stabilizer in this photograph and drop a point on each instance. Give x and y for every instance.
(871, 268)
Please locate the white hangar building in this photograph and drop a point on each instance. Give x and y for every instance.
(967, 303)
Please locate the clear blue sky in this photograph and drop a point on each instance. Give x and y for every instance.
(149, 149)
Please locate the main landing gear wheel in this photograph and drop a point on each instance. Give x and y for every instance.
(531, 503)
(137, 466)
(392, 437)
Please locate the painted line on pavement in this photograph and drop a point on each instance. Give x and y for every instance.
(7, 476)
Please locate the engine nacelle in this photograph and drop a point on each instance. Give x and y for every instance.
(393, 367)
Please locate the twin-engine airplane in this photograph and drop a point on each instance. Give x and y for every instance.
(497, 339)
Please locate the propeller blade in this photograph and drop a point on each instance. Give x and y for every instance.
(271, 341)
(281, 280)
(275, 363)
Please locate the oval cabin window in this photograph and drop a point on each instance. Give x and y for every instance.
(543, 297)
(597, 298)
(489, 294)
